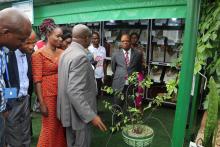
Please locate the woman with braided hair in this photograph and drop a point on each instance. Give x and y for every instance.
(41, 43)
(38, 45)
(45, 76)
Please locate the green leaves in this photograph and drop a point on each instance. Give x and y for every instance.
(216, 13)
(212, 113)
(206, 37)
(133, 110)
(214, 67)
(132, 115)
(147, 82)
(171, 86)
(208, 33)
(207, 47)
(108, 90)
(197, 67)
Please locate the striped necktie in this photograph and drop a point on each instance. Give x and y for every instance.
(126, 58)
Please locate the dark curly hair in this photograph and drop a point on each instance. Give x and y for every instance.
(95, 33)
(136, 34)
(67, 33)
(47, 26)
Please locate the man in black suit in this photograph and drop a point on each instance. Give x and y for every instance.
(18, 123)
(124, 63)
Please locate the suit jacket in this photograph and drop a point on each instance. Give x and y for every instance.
(120, 70)
(76, 103)
(14, 74)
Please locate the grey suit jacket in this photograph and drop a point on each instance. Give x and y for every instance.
(76, 103)
(120, 69)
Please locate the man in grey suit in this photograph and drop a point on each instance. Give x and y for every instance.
(76, 104)
(124, 63)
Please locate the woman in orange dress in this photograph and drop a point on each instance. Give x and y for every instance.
(45, 76)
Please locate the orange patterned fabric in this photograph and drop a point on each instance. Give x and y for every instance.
(45, 70)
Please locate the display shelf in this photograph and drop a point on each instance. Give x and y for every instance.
(164, 48)
(162, 40)
(166, 64)
(165, 102)
(160, 63)
(168, 27)
(168, 24)
(156, 74)
(113, 30)
(127, 24)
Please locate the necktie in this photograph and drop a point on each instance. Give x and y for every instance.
(127, 64)
(126, 58)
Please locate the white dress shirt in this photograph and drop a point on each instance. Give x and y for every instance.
(22, 70)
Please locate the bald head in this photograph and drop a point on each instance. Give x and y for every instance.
(14, 27)
(82, 35)
(14, 19)
(80, 30)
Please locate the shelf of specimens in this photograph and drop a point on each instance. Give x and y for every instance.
(168, 22)
(165, 42)
(113, 37)
(156, 73)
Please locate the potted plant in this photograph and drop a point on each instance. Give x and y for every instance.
(134, 130)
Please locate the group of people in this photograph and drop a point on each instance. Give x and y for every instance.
(69, 108)
(15, 28)
(67, 71)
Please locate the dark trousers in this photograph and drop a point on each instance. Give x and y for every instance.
(30, 112)
(2, 130)
(126, 101)
(121, 105)
(17, 131)
(99, 85)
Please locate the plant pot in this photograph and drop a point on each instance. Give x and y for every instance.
(138, 140)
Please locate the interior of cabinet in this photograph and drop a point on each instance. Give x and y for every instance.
(162, 41)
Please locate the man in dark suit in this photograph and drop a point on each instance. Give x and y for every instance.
(124, 63)
(15, 27)
(18, 123)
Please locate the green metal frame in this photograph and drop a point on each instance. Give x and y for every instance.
(186, 74)
(193, 113)
(99, 10)
(87, 11)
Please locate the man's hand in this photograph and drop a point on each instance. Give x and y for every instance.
(43, 109)
(97, 122)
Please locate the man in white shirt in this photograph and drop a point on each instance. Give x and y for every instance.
(15, 28)
(18, 123)
(99, 54)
